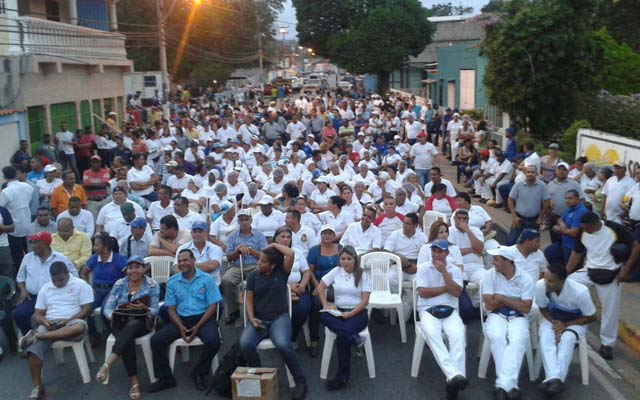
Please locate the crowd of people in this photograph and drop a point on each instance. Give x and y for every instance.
(286, 197)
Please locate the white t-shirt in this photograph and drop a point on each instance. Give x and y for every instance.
(221, 230)
(178, 183)
(64, 302)
(65, 137)
(451, 191)
(362, 241)
(346, 293)
(520, 286)
(45, 187)
(409, 247)
(574, 296)
(299, 266)
(268, 225)
(478, 217)
(427, 277)
(140, 176)
(424, 154)
(156, 212)
(615, 190)
(462, 240)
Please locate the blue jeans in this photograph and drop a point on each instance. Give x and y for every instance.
(279, 330)
(23, 313)
(69, 161)
(423, 176)
(347, 331)
(100, 296)
(504, 190)
(299, 314)
(525, 223)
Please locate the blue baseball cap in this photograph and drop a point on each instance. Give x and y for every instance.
(528, 234)
(139, 223)
(199, 225)
(316, 173)
(135, 259)
(441, 244)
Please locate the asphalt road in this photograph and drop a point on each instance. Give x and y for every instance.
(393, 380)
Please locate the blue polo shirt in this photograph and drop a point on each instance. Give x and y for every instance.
(255, 240)
(191, 297)
(571, 218)
(107, 273)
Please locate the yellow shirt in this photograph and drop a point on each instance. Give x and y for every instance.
(77, 249)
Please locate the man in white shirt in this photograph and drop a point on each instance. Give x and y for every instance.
(614, 190)
(60, 312)
(110, 214)
(507, 293)
(158, 209)
(412, 128)
(501, 176)
(363, 235)
(403, 205)
(470, 240)
(66, 140)
(16, 197)
(247, 130)
(179, 180)
(185, 217)
(439, 285)
(268, 219)
(208, 255)
(47, 184)
(295, 127)
(423, 155)
(82, 219)
(567, 309)
(435, 177)
(303, 237)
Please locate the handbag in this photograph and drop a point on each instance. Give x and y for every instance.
(602, 276)
(128, 311)
(440, 312)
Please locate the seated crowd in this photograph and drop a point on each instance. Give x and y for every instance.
(273, 217)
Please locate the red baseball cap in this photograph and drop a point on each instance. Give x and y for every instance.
(422, 134)
(43, 236)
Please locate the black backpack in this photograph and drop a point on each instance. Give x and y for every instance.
(222, 377)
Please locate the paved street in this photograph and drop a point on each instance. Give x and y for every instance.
(393, 380)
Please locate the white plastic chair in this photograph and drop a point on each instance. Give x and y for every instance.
(330, 338)
(379, 263)
(485, 352)
(583, 354)
(160, 267)
(81, 350)
(430, 217)
(266, 343)
(418, 346)
(145, 343)
(184, 349)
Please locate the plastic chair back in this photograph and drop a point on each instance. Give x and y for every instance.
(7, 289)
(379, 265)
(160, 267)
(429, 218)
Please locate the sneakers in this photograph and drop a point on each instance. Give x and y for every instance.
(37, 393)
(606, 352)
(27, 340)
(300, 391)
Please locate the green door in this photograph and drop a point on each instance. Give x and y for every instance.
(97, 110)
(36, 117)
(85, 113)
(63, 112)
(121, 109)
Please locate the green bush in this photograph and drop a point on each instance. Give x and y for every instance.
(473, 113)
(569, 138)
(613, 114)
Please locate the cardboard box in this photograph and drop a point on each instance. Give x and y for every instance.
(255, 383)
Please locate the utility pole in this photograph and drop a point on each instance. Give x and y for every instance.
(163, 57)
(260, 51)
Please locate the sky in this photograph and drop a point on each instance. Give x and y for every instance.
(288, 17)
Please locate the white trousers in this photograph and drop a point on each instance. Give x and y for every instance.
(609, 296)
(508, 340)
(474, 273)
(556, 357)
(451, 360)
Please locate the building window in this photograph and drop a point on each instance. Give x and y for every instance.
(3, 7)
(52, 9)
(149, 81)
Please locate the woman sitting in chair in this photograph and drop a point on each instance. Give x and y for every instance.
(133, 294)
(298, 282)
(351, 288)
(267, 312)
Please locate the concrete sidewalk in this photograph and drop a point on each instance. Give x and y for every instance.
(629, 331)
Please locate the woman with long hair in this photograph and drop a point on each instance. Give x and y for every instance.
(350, 206)
(336, 216)
(440, 230)
(351, 288)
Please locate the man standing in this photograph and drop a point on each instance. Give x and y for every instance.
(192, 298)
(568, 227)
(47, 149)
(529, 201)
(423, 155)
(33, 275)
(507, 293)
(61, 195)
(60, 311)
(558, 189)
(439, 285)
(604, 270)
(15, 197)
(6, 226)
(74, 245)
(243, 250)
(566, 309)
(66, 140)
(411, 129)
(208, 255)
(614, 190)
(435, 177)
(95, 181)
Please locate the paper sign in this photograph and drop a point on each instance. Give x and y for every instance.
(248, 388)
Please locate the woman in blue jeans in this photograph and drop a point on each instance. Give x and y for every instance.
(298, 281)
(351, 289)
(267, 309)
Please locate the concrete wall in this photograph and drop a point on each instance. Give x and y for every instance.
(12, 130)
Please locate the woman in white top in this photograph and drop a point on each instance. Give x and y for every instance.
(361, 196)
(298, 282)
(142, 178)
(194, 194)
(350, 206)
(319, 199)
(336, 216)
(351, 289)
(440, 230)
(154, 146)
(222, 227)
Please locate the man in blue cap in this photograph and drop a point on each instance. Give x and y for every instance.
(136, 244)
(439, 285)
(208, 255)
(192, 299)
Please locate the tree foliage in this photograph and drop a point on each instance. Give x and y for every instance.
(223, 35)
(620, 72)
(621, 19)
(371, 36)
(540, 59)
(447, 9)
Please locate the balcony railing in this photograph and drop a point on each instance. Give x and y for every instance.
(40, 36)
